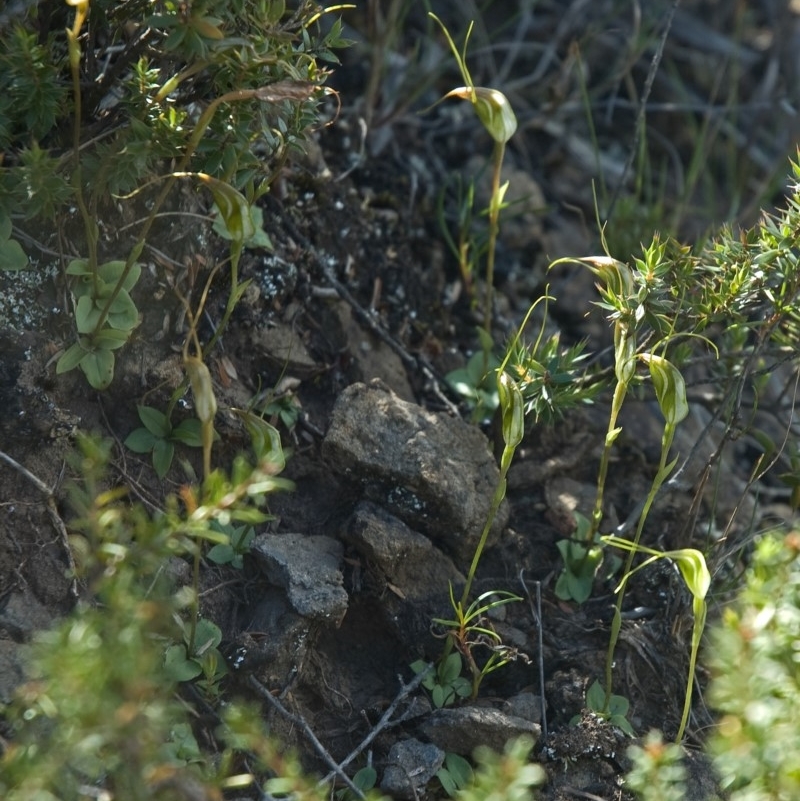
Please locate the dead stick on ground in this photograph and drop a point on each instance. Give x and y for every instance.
(536, 613)
(306, 729)
(384, 722)
(55, 518)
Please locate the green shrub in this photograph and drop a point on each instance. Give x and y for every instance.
(755, 657)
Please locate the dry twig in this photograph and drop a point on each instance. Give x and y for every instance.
(55, 518)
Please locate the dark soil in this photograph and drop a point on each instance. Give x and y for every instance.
(361, 285)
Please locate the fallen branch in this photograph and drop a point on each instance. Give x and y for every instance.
(306, 729)
(383, 723)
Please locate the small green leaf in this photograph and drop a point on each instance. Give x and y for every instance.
(365, 778)
(182, 745)
(78, 267)
(618, 705)
(140, 440)
(70, 359)
(12, 256)
(441, 696)
(595, 697)
(154, 421)
(419, 665)
(178, 667)
(207, 634)
(621, 722)
(450, 669)
(163, 451)
(87, 315)
(447, 781)
(123, 314)
(221, 554)
(459, 769)
(188, 432)
(108, 339)
(112, 271)
(98, 367)
(579, 588)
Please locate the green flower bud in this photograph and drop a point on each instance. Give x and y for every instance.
(670, 388)
(205, 402)
(492, 108)
(512, 406)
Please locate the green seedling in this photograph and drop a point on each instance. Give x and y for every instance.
(582, 557)
(455, 775)
(469, 628)
(284, 409)
(495, 112)
(614, 712)
(446, 684)
(470, 247)
(477, 386)
(694, 571)
(105, 316)
(158, 436)
(232, 552)
(198, 656)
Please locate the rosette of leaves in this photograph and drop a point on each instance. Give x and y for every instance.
(159, 437)
(101, 330)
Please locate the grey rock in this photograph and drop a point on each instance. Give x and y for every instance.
(407, 559)
(275, 640)
(411, 765)
(22, 614)
(463, 729)
(307, 567)
(526, 706)
(434, 472)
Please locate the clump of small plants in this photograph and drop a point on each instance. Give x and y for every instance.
(736, 296)
(139, 70)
